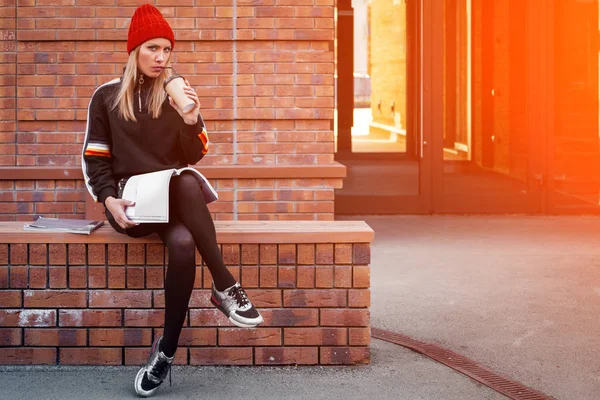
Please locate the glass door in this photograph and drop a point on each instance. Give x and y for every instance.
(574, 139)
(388, 167)
(486, 147)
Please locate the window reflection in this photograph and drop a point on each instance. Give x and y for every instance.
(486, 141)
(575, 145)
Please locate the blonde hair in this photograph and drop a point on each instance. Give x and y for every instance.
(124, 99)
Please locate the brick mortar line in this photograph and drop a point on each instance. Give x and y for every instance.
(234, 123)
(67, 267)
(106, 264)
(27, 267)
(16, 44)
(144, 267)
(87, 275)
(234, 93)
(8, 268)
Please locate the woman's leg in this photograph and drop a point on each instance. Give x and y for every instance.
(181, 272)
(179, 283)
(188, 203)
(227, 295)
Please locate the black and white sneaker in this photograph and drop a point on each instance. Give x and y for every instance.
(150, 376)
(234, 303)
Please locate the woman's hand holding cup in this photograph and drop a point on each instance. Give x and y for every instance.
(184, 99)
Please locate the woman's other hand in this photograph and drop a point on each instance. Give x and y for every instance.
(191, 117)
(117, 209)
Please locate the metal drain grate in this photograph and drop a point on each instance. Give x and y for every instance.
(507, 387)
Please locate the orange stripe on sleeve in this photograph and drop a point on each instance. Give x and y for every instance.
(204, 138)
(97, 153)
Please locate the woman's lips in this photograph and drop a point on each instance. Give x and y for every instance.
(157, 68)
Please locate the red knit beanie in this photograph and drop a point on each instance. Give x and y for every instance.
(148, 23)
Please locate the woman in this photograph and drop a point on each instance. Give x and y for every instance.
(133, 128)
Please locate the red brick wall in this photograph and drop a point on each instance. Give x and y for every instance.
(20, 199)
(264, 72)
(99, 303)
(8, 69)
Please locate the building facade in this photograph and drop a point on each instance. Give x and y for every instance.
(490, 106)
(477, 106)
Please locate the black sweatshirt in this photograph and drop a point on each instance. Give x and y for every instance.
(114, 148)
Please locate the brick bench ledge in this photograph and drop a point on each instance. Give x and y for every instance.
(99, 299)
(227, 232)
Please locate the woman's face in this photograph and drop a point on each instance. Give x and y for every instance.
(154, 56)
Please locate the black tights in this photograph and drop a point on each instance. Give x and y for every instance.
(190, 226)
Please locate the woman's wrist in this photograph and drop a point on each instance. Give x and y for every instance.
(191, 120)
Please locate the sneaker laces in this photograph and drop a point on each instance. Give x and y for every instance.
(159, 368)
(239, 295)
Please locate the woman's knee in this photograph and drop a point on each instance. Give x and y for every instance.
(187, 182)
(184, 243)
(180, 241)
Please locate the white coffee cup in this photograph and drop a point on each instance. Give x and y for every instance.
(174, 85)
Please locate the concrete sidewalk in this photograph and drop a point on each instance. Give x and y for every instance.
(395, 373)
(520, 295)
